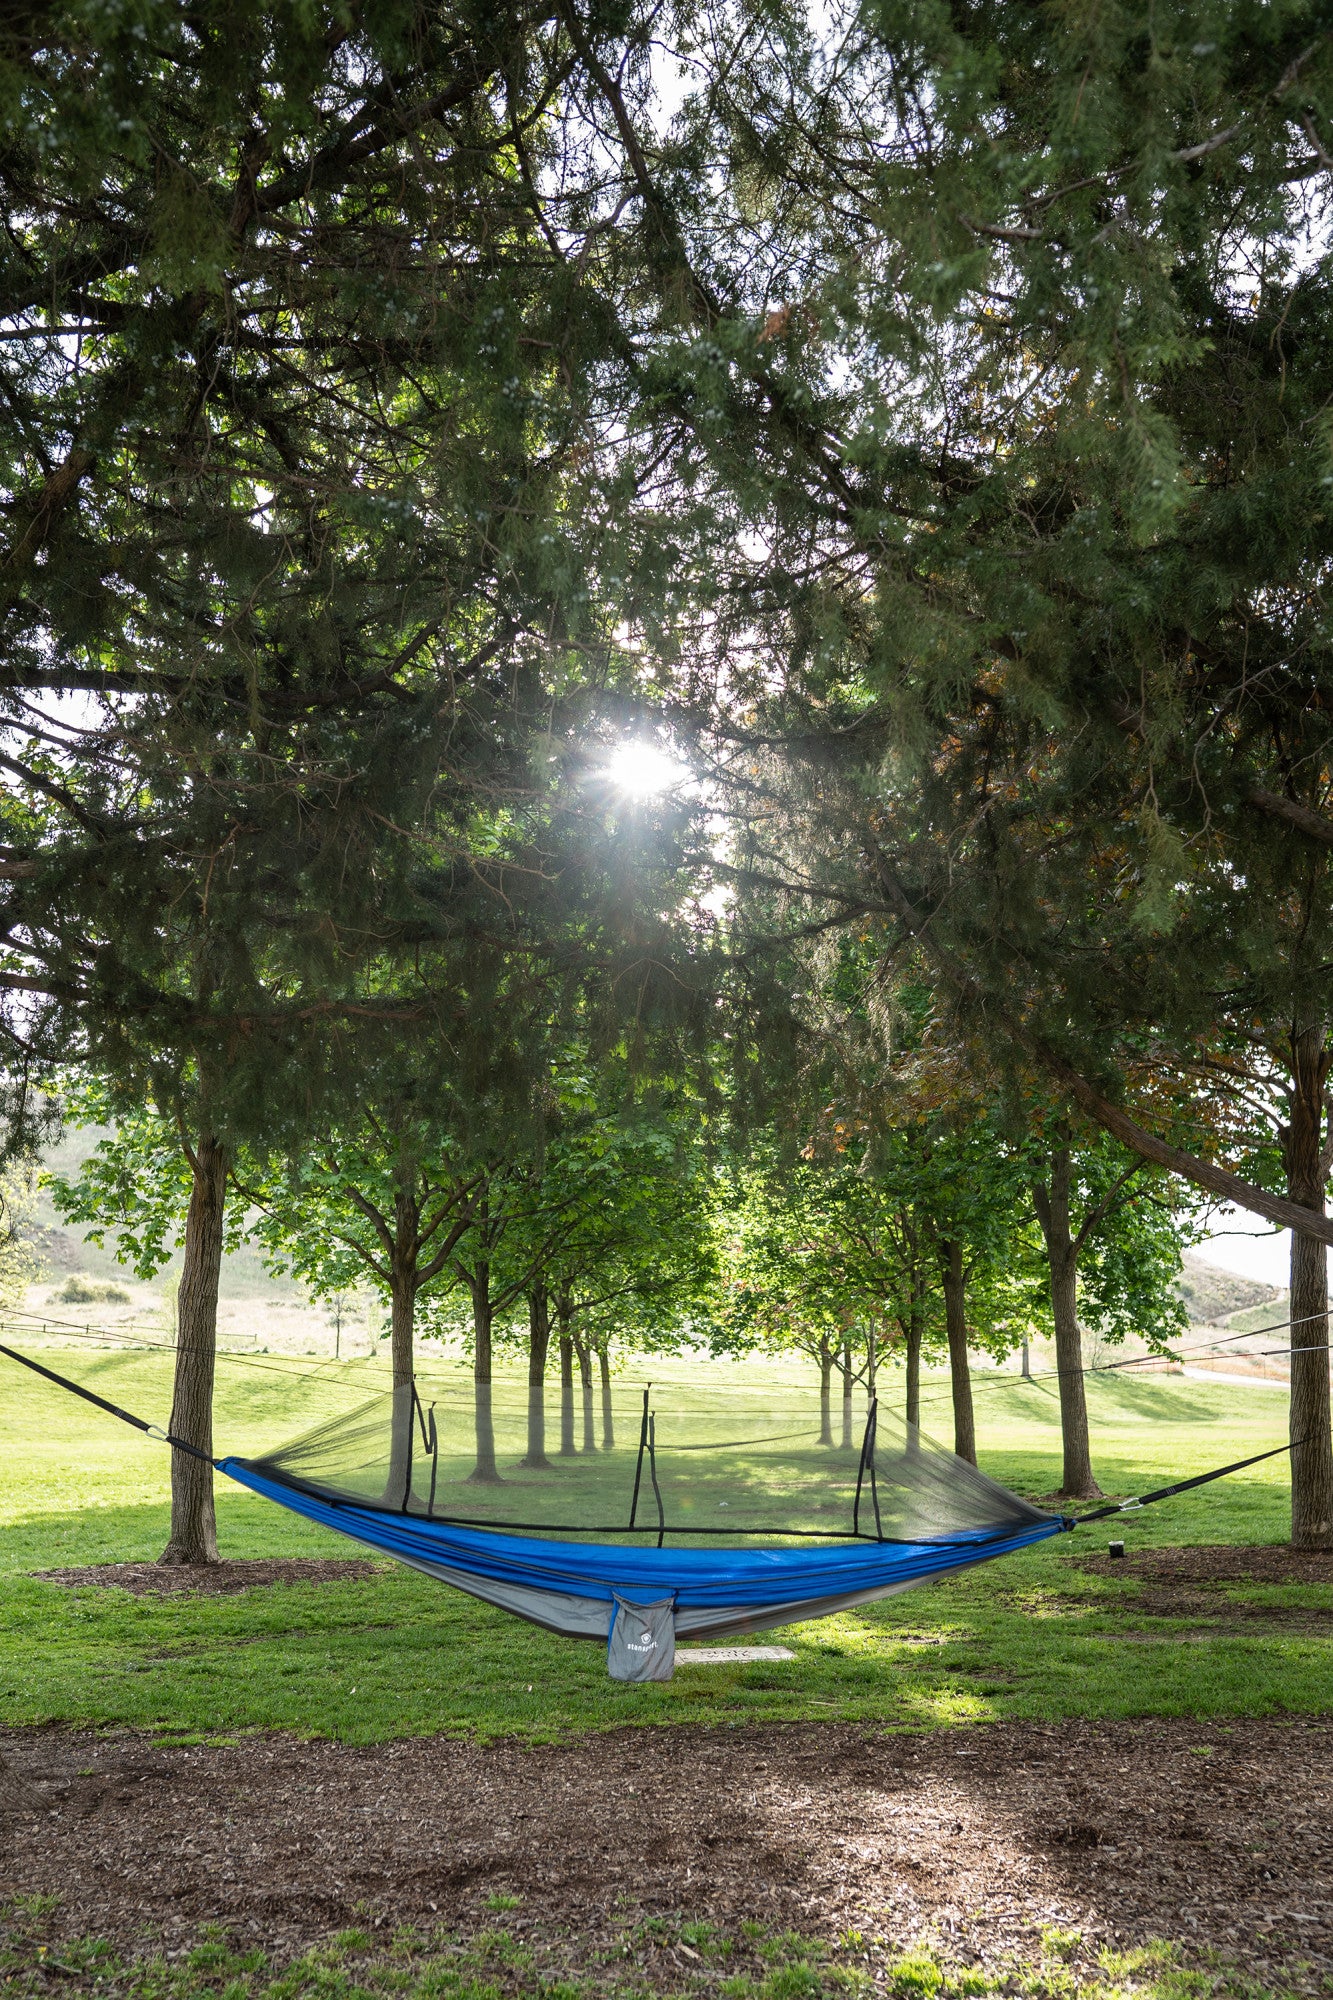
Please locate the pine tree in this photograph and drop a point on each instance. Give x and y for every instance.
(1025, 642)
(292, 386)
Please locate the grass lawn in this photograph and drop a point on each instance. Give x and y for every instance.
(1033, 1636)
(749, 1961)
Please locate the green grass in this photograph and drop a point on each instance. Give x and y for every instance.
(747, 1962)
(1032, 1636)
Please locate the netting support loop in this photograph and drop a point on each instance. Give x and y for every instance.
(868, 1465)
(638, 1466)
(652, 1473)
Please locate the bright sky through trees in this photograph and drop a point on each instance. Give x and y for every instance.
(641, 769)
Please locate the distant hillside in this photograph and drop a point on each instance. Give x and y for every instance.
(1212, 1294)
(65, 1249)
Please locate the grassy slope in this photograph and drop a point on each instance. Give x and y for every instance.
(1028, 1637)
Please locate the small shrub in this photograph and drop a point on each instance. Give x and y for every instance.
(77, 1291)
(792, 1982)
(970, 1983)
(31, 1906)
(917, 1976)
(705, 1938)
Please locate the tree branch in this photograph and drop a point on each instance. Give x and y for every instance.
(1111, 1117)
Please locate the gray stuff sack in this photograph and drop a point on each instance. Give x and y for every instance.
(641, 1645)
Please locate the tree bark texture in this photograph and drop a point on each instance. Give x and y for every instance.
(960, 1370)
(847, 1395)
(1303, 1140)
(825, 1392)
(915, 1336)
(608, 1406)
(564, 1314)
(194, 1535)
(584, 1354)
(485, 1472)
(539, 1341)
(402, 1363)
(1051, 1202)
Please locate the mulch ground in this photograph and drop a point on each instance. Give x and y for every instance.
(210, 1579)
(1217, 1836)
(1199, 1582)
(1218, 1565)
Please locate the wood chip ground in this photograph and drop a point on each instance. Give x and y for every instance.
(1217, 1836)
(218, 1579)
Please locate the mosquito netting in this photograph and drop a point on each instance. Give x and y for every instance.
(672, 1461)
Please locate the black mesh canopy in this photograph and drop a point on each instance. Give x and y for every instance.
(674, 1461)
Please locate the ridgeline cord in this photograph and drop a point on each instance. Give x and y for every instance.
(647, 1439)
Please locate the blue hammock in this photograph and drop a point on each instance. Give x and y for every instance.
(572, 1586)
(639, 1600)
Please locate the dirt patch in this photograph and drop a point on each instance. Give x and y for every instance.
(1213, 1566)
(1201, 1584)
(1219, 1837)
(210, 1579)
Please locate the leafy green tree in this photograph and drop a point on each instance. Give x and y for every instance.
(21, 1261)
(380, 1199)
(293, 385)
(1113, 1233)
(835, 1263)
(1025, 648)
(149, 1188)
(632, 1261)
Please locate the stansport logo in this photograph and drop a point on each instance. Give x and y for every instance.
(640, 1645)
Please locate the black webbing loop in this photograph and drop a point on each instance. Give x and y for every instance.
(420, 1415)
(867, 1450)
(873, 1430)
(433, 1447)
(113, 1409)
(638, 1466)
(1182, 1485)
(652, 1472)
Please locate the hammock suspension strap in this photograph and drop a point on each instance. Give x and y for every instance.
(113, 1409)
(1181, 1486)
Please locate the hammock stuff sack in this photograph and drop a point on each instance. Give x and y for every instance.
(679, 1513)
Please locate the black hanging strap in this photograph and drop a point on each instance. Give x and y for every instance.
(872, 1436)
(867, 1463)
(638, 1467)
(652, 1473)
(113, 1409)
(1181, 1486)
(433, 1446)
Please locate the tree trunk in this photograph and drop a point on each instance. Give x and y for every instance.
(1052, 1207)
(825, 1392)
(564, 1313)
(846, 1395)
(402, 1363)
(1307, 1177)
(960, 1370)
(1026, 1363)
(608, 1407)
(485, 1472)
(915, 1337)
(585, 1382)
(194, 1535)
(539, 1341)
